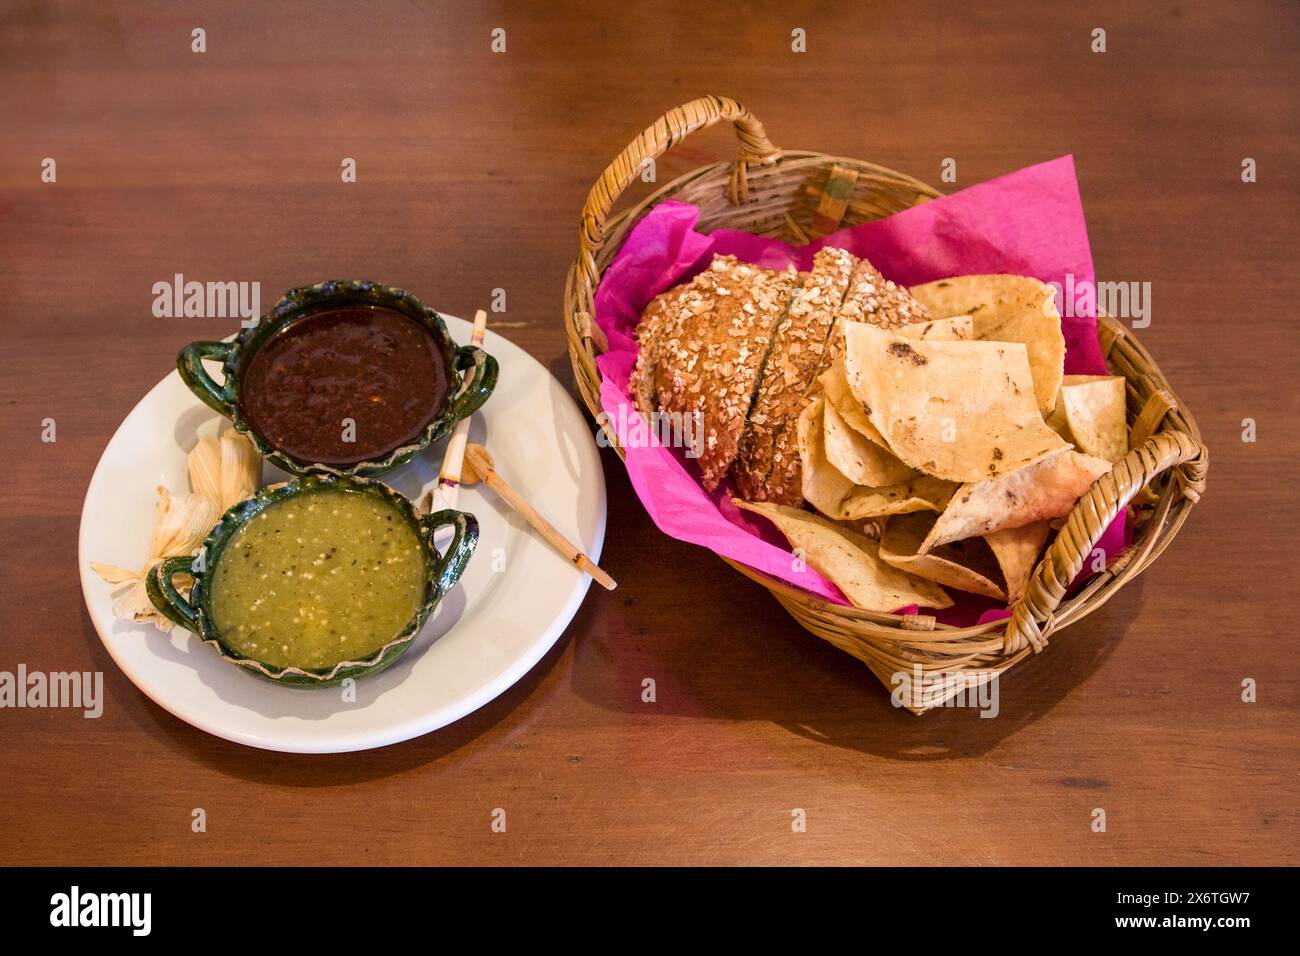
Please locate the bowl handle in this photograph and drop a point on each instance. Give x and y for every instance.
(190, 364)
(169, 601)
(475, 388)
(653, 142)
(1108, 496)
(452, 562)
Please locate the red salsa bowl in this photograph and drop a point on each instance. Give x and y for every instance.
(342, 377)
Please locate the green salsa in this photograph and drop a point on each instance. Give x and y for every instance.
(319, 578)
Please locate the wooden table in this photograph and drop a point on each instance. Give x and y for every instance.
(472, 167)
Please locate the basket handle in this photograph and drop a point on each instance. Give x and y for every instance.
(1093, 513)
(653, 142)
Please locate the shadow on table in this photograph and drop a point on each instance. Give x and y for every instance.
(324, 770)
(745, 658)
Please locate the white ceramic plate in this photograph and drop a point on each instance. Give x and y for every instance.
(516, 598)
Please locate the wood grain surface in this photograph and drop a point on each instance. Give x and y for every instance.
(472, 168)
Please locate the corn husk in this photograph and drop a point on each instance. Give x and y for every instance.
(222, 472)
(225, 470)
(180, 525)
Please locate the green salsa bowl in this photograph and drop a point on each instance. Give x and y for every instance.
(342, 377)
(316, 580)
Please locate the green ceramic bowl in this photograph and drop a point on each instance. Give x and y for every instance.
(471, 372)
(195, 613)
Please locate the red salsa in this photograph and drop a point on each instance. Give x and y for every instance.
(347, 385)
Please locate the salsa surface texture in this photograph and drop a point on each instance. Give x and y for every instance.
(319, 578)
(370, 375)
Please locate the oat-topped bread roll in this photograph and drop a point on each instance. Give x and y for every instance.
(703, 345)
(663, 315)
(768, 466)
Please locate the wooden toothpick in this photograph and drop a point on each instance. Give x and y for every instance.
(479, 466)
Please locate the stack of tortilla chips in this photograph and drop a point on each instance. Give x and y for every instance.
(938, 453)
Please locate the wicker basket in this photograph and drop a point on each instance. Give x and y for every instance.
(783, 194)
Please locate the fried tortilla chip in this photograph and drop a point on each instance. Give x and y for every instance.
(837, 497)
(922, 493)
(836, 389)
(952, 329)
(965, 565)
(1046, 489)
(849, 560)
(1007, 309)
(1090, 413)
(857, 457)
(961, 411)
(1016, 550)
(823, 486)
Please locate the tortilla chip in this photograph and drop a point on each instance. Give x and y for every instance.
(1090, 413)
(858, 458)
(837, 497)
(836, 389)
(823, 486)
(965, 565)
(922, 493)
(961, 411)
(1017, 550)
(1008, 309)
(850, 561)
(952, 329)
(1047, 489)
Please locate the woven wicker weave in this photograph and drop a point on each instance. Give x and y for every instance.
(798, 195)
